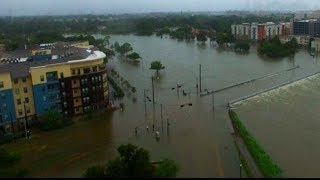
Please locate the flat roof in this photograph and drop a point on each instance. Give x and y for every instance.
(21, 69)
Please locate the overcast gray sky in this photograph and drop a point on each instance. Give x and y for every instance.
(61, 7)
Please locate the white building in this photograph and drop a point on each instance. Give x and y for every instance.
(254, 31)
(245, 30)
(303, 40)
(270, 29)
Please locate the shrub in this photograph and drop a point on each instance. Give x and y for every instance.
(95, 172)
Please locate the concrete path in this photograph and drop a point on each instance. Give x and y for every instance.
(248, 158)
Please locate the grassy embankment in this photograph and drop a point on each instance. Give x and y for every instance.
(262, 159)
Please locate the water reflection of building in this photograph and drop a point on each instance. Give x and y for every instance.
(70, 79)
(315, 45)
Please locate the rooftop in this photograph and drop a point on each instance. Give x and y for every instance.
(21, 69)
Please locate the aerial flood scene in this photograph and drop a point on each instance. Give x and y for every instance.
(173, 89)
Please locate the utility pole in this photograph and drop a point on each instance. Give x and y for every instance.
(197, 85)
(25, 115)
(178, 89)
(212, 99)
(154, 113)
(152, 92)
(161, 117)
(200, 77)
(14, 134)
(145, 102)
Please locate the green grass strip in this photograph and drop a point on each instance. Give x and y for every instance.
(264, 162)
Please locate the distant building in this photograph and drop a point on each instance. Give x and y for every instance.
(303, 40)
(270, 29)
(255, 31)
(306, 27)
(315, 44)
(261, 31)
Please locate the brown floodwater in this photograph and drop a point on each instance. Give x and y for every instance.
(286, 123)
(198, 137)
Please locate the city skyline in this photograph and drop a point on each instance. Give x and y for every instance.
(60, 7)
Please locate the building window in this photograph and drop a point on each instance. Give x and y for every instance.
(25, 90)
(77, 109)
(74, 81)
(18, 101)
(73, 72)
(61, 75)
(42, 78)
(20, 112)
(26, 100)
(43, 88)
(3, 96)
(15, 81)
(28, 110)
(77, 100)
(75, 91)
(86, 70)
(44, 98)
(94, 69)
(78, 71)
(17, 91)
(1, 84)
(24, 80)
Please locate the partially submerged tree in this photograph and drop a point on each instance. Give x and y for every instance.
(156, 65)
(202, 37)
(133, 56)
(124, 48)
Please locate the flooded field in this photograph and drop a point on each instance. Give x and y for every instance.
(286, 123)
(198, 137)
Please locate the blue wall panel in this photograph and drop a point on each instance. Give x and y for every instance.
(7, 107)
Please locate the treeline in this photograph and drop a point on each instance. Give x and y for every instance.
(274, 48)
(15, 31)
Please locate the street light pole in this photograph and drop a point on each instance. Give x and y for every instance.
(25, 120)
(240, 169)
(145, 102)
(152, 92)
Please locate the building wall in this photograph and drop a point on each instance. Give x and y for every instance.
(303, 40)
(20, 95)
(7, 109)
(7, 105)
(301, 28)
(261, 32)
(5, 80)
(41, 51)
(254, 32)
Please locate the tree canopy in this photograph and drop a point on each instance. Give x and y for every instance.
(133, 56)
(242, 46)
(156, 65)
(202, 37)
(274, 48)
(124, 48)
(133, 162)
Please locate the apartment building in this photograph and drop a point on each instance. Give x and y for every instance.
(72, 83)
(255, 31)
(309, 27)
